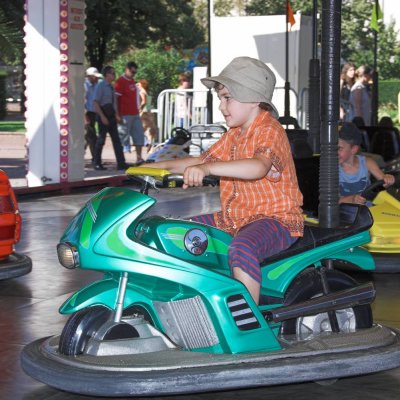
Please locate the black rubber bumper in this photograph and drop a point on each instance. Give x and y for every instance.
(387, 262)
(15, 265)
(178, 372)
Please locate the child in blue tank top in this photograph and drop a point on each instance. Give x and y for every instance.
(355, 169)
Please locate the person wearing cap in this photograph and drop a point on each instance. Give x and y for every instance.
(107, 117)
(92, 77)
(128, 101)
(354, 168)
(260, 197)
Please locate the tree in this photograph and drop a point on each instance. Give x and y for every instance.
(262, 7)
(11, 31)
(160, 66)
(357, 41)
(115, 26)
(389, 53)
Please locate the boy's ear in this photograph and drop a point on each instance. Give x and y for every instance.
(355, 148)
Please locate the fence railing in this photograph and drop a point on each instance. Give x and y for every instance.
(180, 108)
(187, 107)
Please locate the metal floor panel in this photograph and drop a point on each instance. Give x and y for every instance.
(29, 305)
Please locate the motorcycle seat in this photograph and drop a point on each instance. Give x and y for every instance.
(353, 219)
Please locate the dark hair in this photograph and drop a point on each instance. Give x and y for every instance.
(107, 69)
(386, 122)
(349, 132)
(131, 64)
(363, 70)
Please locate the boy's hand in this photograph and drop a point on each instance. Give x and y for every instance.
(358, 199)
(193, 175)
(388, 179)
(353, 198)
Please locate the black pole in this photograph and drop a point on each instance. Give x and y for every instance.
(209, 94)
(287, 119)
(314, 93)
(374, 97)
(330, 74)
(287, 84)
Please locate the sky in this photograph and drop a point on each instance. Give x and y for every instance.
(391, 9)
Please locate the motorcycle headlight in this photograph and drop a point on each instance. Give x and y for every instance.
(68, 256)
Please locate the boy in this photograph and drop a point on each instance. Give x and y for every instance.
(354, 169)
(260, 197)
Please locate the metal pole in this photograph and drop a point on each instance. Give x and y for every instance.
(209, 94)
(287, 84)
(314, 96)
(330, 73)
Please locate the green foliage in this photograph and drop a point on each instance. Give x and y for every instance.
(3, 102)
(388, 91)
(11, 31)
(357, 39)
(116, 26)
(12, 126)
(159, 66)
(388, 53)
(265, 7)
(389, 110)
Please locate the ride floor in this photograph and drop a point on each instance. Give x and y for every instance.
(29, 305)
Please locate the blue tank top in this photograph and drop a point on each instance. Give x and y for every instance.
(355, 183)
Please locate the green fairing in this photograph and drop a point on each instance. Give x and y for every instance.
(278, 276)
(112, 235)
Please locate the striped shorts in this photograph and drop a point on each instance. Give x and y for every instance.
(254, 243)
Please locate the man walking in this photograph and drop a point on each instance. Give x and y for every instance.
(92, 77)
(128, 101)
(105, 106)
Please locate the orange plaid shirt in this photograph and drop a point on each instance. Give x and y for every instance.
(276, 195)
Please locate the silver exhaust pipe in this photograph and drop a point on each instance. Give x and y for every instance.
(355, 296)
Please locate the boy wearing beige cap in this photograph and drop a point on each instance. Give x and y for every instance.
(260, 198)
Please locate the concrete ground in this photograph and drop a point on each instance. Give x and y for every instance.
(29, 305)
(13, 159)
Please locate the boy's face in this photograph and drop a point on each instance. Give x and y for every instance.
(346, 151)
(235, 113)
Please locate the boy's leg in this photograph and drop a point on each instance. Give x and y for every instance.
(252, 244)
(206, 219)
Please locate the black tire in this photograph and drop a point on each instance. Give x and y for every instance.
(80, 327)
(308, 285)
(15, 265)
(85, 324)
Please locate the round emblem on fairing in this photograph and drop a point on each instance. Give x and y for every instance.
(196, 241)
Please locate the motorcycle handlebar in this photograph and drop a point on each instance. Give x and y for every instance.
(207, 180)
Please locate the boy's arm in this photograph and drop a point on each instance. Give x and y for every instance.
(176, 166)
(374, 169)
(248, 169)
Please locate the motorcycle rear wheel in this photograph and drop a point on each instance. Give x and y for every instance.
(308, 285)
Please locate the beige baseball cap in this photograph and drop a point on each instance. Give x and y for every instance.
(92, 71)
(248, 80)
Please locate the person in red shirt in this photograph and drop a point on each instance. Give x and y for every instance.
(128, 104)
(260, 197)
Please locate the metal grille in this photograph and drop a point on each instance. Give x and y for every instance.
(187, 323)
